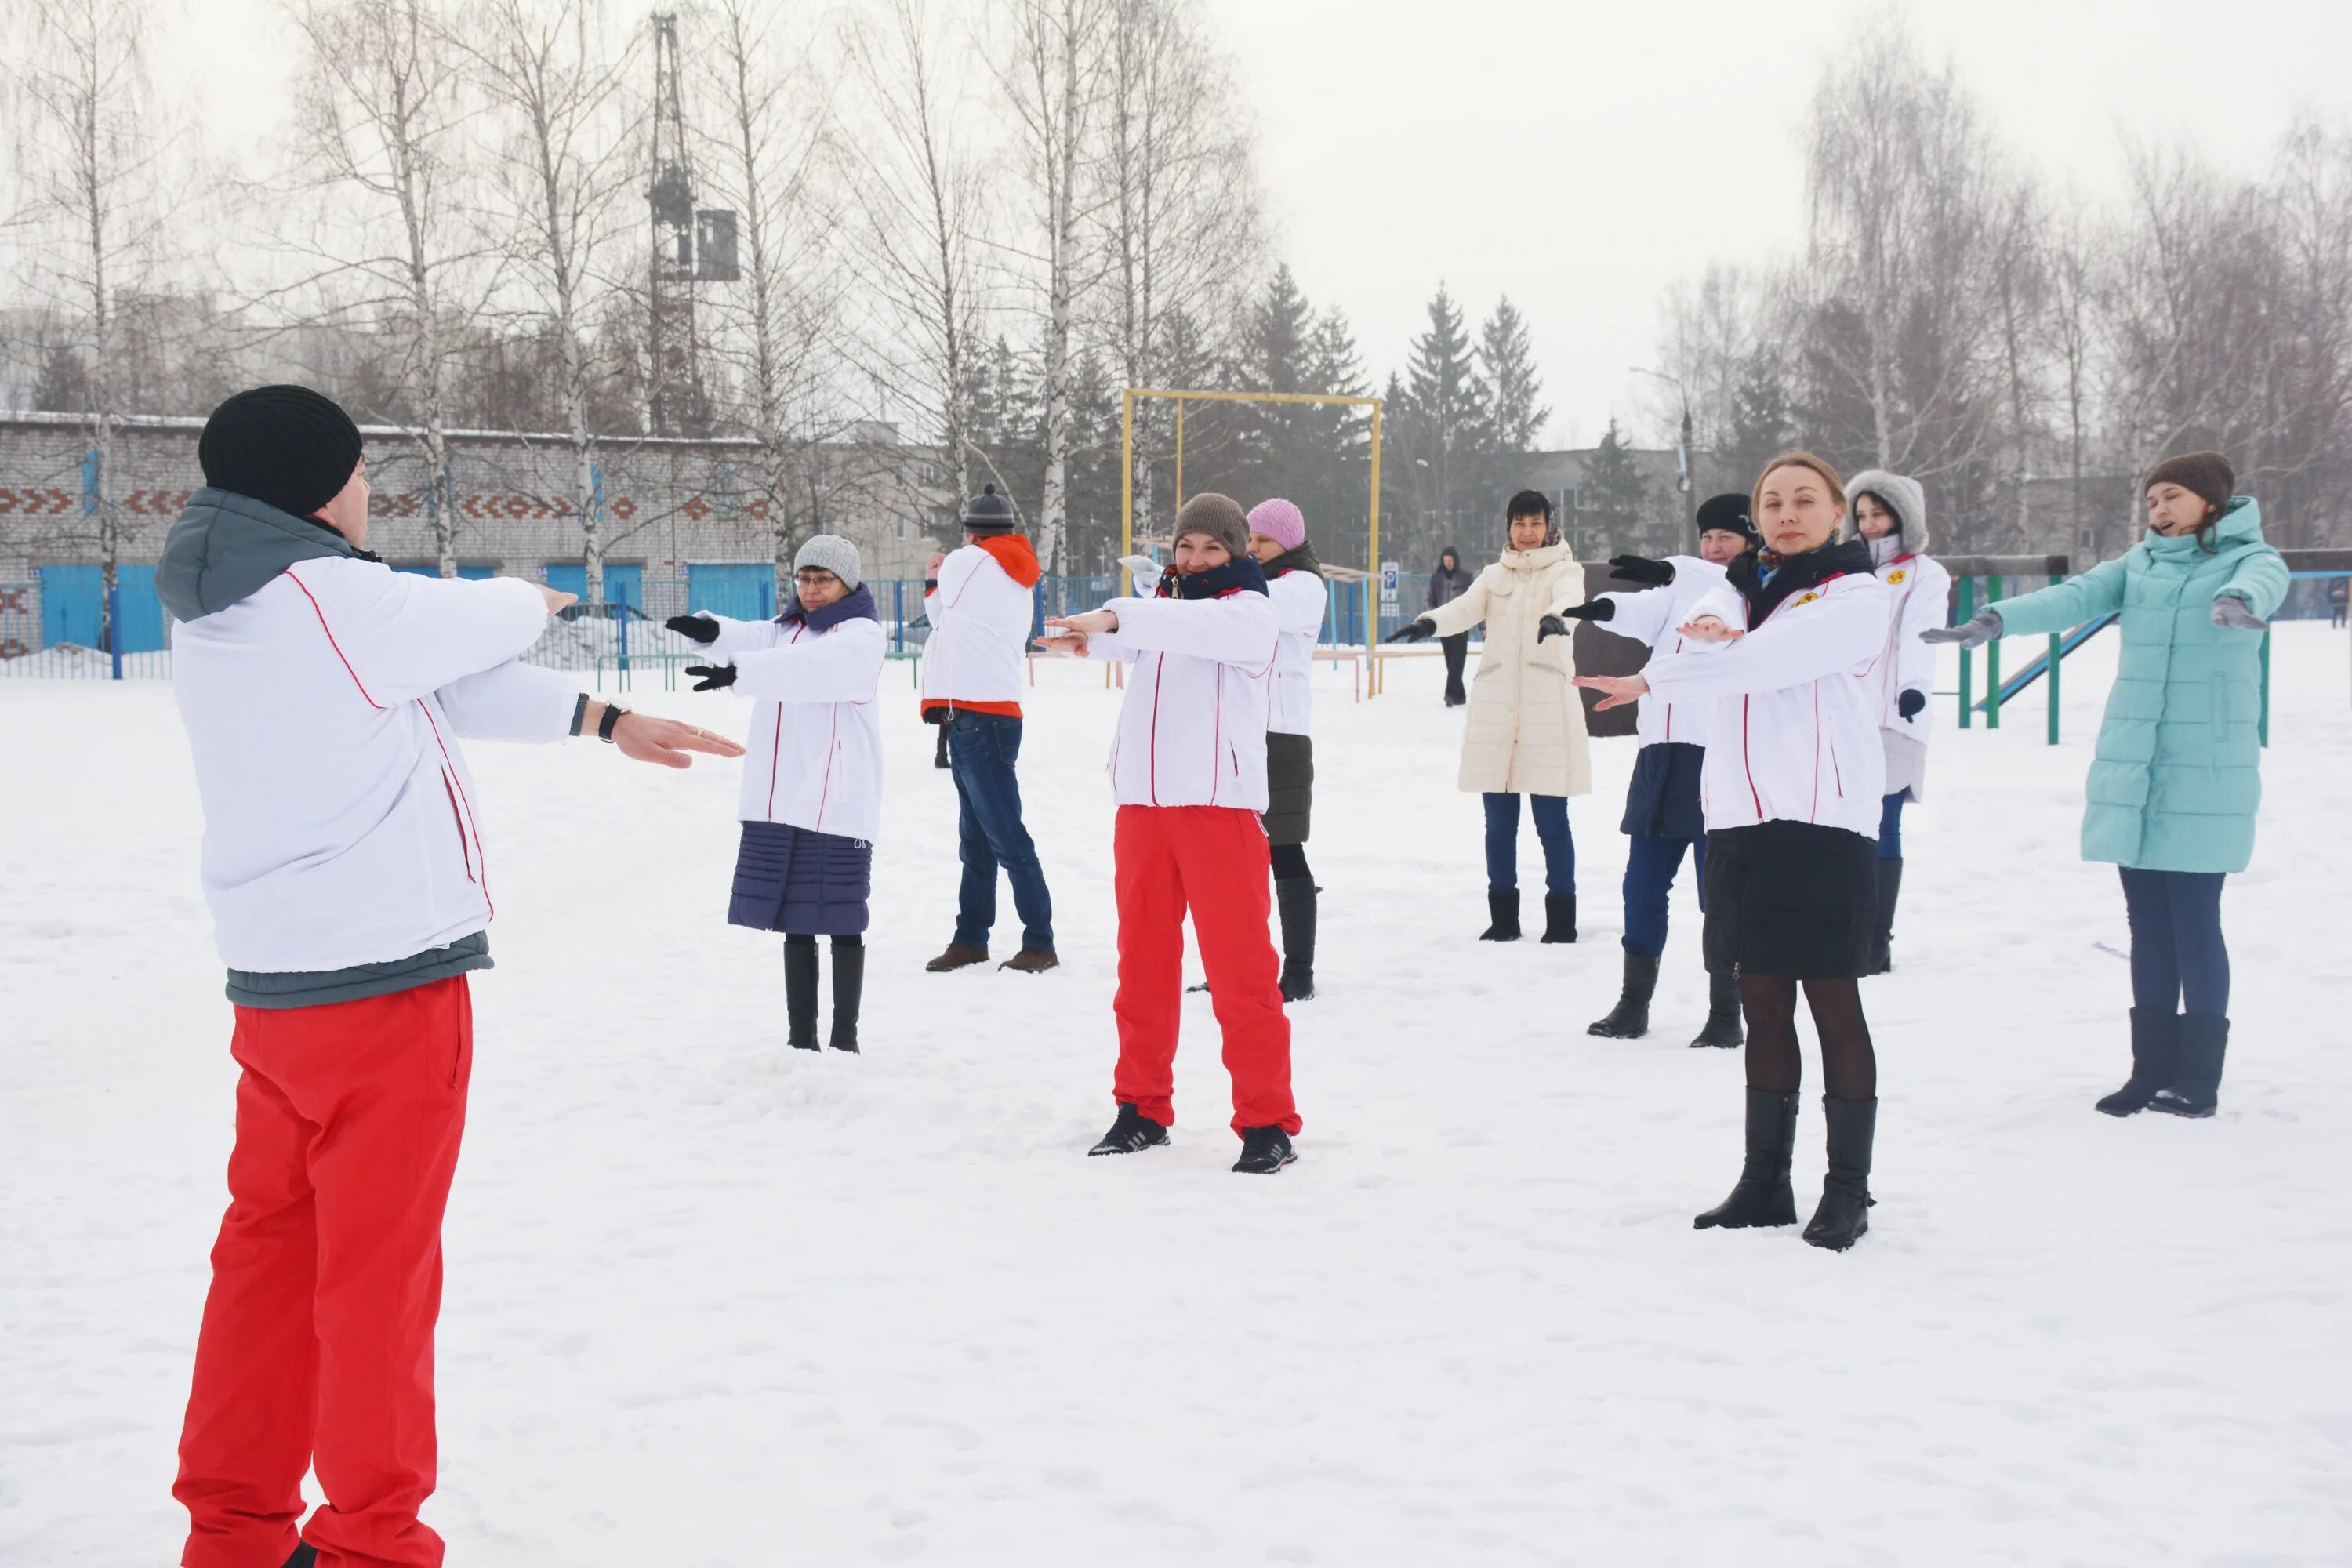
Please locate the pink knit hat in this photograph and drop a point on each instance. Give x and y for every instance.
(1279, 520)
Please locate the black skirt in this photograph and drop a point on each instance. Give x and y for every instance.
(1663, 800)
(1790, 901)
(1289, 786)
(805, 884)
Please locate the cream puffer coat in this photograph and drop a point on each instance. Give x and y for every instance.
(1526, 734)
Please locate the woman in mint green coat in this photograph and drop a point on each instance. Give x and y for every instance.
(2177, 773)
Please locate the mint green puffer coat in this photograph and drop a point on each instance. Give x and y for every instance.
(2177, 772)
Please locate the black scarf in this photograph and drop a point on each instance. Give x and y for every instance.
(1240, 572)
(1792, 574)
(858, 605)
(1301, 559)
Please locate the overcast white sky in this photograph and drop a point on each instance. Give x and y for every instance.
(1580, 154)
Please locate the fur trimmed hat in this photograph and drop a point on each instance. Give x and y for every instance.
(1219, 517)
(831, 553)
(2207, 475)
(1898, 493)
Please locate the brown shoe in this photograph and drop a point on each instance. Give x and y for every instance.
(1032, 960)
(957, 956)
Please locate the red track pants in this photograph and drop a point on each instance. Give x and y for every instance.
(1213, 858)
(317, 1348)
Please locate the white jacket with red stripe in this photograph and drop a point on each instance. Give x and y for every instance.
(812, 758)
(324, 712)
(1193, 730)
(1921, 591)
(1299, 599)
(1791, 708)
(1649, 616)
(981, 617)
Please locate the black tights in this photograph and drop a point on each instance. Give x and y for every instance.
(802, 939)
(1849, 1065)
(1289, 862)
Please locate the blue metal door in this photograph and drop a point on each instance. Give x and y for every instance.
(740, 591)
(620, 580)
(69, 607)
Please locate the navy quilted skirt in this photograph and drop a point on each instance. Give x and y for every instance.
(808, 884)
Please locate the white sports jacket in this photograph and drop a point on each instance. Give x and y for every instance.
(812, 758)
(1921, 591)
(1192, 729)
(1298, 600)
(1649, 616)
(980, 615)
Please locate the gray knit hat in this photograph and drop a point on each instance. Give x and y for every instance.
(1219, 517)
(831, 553)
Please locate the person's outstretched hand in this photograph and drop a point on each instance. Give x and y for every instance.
(646, 739)
(1910, 702)
(1975, 632)
(1551, 626)
(1591, 610)
(1710, 628)
(694, 628)
(712, 677)
(1420, 629)
(2234, 613)
(1617, 689)
(1640, 569)
(556, 603)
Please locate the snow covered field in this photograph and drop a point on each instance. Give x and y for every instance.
(714, 1302)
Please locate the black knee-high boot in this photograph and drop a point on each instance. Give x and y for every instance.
(1294, 899)
(1890, 888)
(1723, 1030)
(1844, 1214)
(800, 992)
(1762, 1195)
(1630, 1019)
(848, 989)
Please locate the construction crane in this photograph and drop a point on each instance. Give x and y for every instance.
(690, 246)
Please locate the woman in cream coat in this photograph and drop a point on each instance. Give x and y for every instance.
(1526, 734)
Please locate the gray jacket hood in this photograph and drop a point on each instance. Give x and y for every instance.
(1900, 495)
(224, 547)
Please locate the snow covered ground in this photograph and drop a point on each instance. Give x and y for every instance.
(713, 1303)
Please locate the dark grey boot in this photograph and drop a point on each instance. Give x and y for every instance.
(2196, 1086)
(1724, 1030)
(1630, 1019)
(2156, 1052)
(1890, 890)
(849, 990)
(1844, 1214)
(1294, 899)
(1560, 916)
(800, 993)
(1762, 1197)
(1503, 908)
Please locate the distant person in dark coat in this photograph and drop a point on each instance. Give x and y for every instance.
(2339, 592)
(1447, 583)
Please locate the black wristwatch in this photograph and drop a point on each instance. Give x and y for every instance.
(614, 714)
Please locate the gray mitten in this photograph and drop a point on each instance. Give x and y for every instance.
(2230, 610)
(1974, 632)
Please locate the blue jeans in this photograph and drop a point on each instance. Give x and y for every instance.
(981, 751)
(1502, 842)
(2178, 959)
(1890, 825)
(1650, 867)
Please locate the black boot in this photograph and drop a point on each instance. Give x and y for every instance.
(1844, 1212)
(1723, 1028)
(940, 753)
(1630, 1019)
(1762, 1195)
(1560, 916)
(2156, 1053)
(800, 992)
(1890, 888)
(1505, 908)
(848, 989)
(2196, 1086)
(1294, 898)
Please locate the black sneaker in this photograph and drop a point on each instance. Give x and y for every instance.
(1265, 1150)
(1132, 1133)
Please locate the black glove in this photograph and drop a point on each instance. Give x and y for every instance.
(694, 628)
(712, 677)
(1420, 630)
(1591, 610)
(1551, 626)
(1910, 702)
(1640, 569)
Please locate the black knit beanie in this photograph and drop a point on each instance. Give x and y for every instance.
(286, 447)
(2206, 475)
(1728, 514)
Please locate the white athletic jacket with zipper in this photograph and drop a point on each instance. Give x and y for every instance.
(1920, 591)
(1299, 600)
(1792, 710)
(1649, 616)
(812, 758)
(324, 712)
(1193, 730)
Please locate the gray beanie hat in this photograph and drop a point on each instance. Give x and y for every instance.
(831, 553)
(1898, 493)
(1219, 517)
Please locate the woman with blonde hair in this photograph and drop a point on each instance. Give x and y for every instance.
(1792, 786)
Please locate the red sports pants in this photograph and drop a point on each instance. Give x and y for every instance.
(317, 1348)
(1212, 858)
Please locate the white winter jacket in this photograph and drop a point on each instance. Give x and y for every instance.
(1649, 616)
(1192, 729)
(812, 758)
(1791, 715)
(1526, 734)
(1921, 593)
(980, 615)
(1299, 598)
(324, 712)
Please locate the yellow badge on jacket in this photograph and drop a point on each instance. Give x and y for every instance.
(1807, 599)
(1897, 576)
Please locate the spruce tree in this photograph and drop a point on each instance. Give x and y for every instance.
(1449, 419)
(1614, 491)
(1516, 416)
